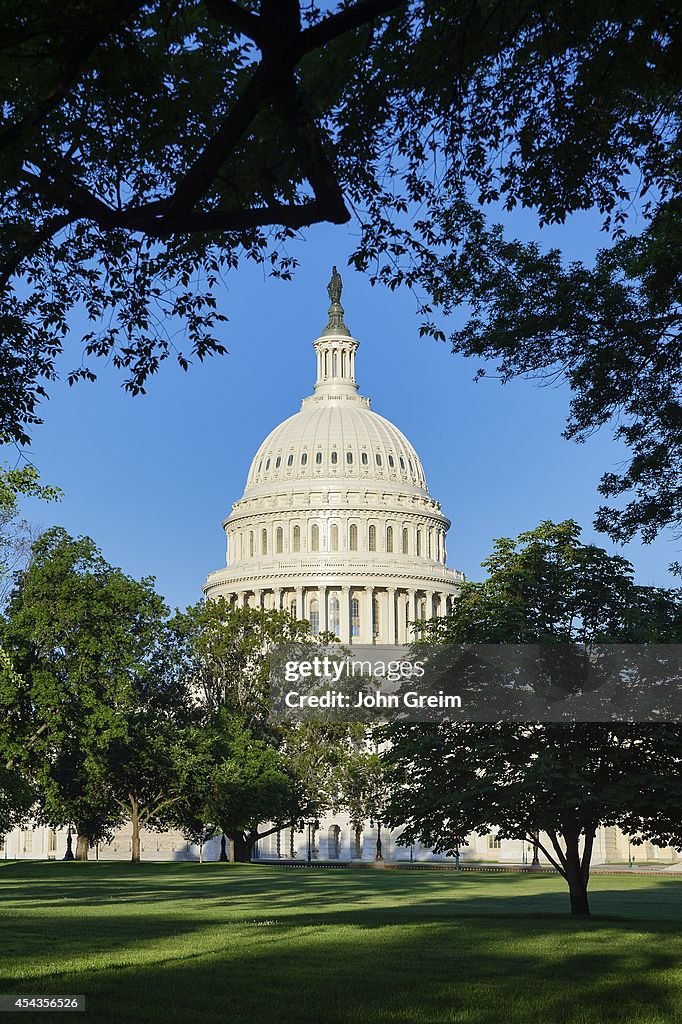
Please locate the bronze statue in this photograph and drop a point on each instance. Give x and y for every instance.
(335, 287)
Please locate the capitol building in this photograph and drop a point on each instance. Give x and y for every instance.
(336, 525)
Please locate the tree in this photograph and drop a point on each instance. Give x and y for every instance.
(261, 771)
(564, 780)
(364, 792)
(243, 783)
(86, 642)
(418, 118)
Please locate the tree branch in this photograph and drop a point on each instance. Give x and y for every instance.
(235, 16)
(344, 21)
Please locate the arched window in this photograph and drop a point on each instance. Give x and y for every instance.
(334, 538)
(372, 538)
(364, 459)
(353, 538)
(378, 458)
(279, 540)
(260, 465)
(349, 458)
(354, 617)
(402, 463)
(318, 458)
(391, 461)
(315, 616)
(251, 543)
(419, 542)
(389, 539)
(335, 458)
(264, 542)
(406, 546)
(315, 537)
(267, 464)
(428, 544)
(304, 458)
(290, 460)
(278, 462)
(296, 539)
(334, 615)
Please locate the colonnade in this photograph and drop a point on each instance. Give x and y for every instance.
(356, 614)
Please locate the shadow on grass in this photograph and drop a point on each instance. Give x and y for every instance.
(359, 966)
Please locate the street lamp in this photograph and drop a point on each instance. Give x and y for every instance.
(379, 853)
(311, 826)
(69, 850)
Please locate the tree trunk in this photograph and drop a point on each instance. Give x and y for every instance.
(238, 847)
(577, 874)
(82, 847)
(135, 822)
(223, 850)
(358, 843)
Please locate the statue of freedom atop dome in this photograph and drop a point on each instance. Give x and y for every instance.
(335, 287)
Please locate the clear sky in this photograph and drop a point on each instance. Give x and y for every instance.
(151, 478)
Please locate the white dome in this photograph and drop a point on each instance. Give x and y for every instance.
(329, 441)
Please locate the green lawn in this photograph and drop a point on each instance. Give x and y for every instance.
(166, 942)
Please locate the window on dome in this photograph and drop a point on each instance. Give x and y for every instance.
(315, 616)
(290, 460)
(335, 458)
(389, 539)
(419, 543)
(260, 465)
(267, 465)
(364, 459)
(251, 543)
(372, 538)
(318, 458)
(264, 542)
(406, 546)
(353, 538)
(411, 466)
(378, 457)
(391, 462)
(355, 617)
(304, 458)
(349, 458)
(296, 539)
(402, 463)
(428, 544)
(278, 462)
(334, 615)
(315, 537)
(334, 538)
(279, 540)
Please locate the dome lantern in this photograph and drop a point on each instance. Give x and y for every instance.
(335, 348)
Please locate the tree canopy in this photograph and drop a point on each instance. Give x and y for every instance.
(149, 146)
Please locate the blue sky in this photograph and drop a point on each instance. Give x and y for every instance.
(151, 478)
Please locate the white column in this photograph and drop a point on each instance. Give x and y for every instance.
(344, 615)
(277, 592)
(390, 620)
(322, 600)
(299, 603)
(366, 630)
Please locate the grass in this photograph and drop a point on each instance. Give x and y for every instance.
(212, 942)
